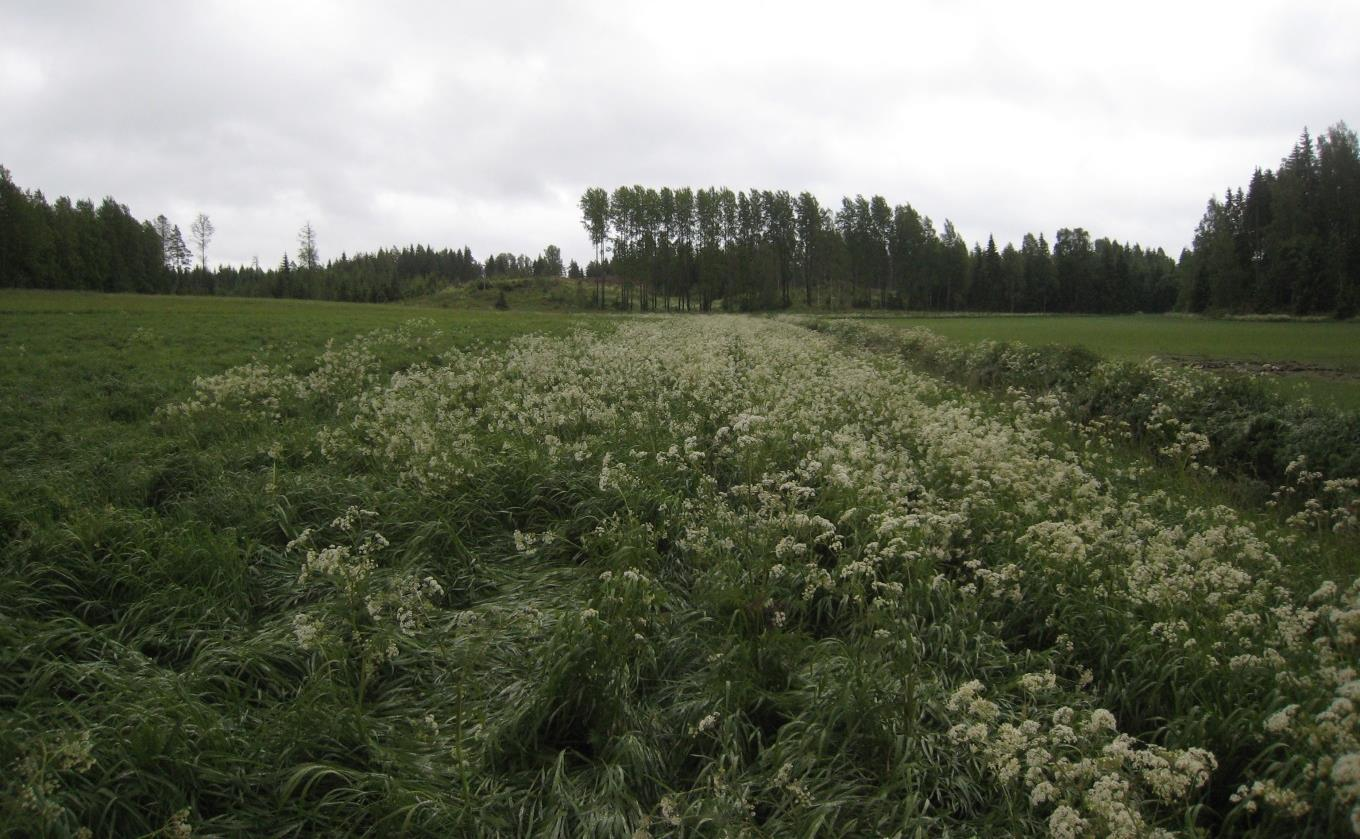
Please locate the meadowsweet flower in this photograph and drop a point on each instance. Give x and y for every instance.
(306, 631)
(669, 811)
(301, 540)
(1042, 793)
(179, 826)
(1100, 720)
(1281, 720)
(1066, 823)
(1038, 682)
(964, 695)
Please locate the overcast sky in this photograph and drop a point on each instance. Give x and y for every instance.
(481, 124)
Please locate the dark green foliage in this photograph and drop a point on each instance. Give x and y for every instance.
(386, 276)
(547, 264)
(1291, 243)
(81, 247)
(75, 246)
(763, 250)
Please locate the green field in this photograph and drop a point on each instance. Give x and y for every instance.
(1332, 345)
(272, 568)
(91, 358)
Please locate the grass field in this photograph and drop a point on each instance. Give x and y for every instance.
(507, 573)
(1332, 345)
(91, 358)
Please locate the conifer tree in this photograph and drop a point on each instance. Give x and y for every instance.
(308, 257)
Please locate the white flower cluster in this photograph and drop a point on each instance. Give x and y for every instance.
(347, 566)
(1331, 504)
(259, 392)
(35, 779)
(529, 543)
(367, 608)
(1327, 736)
(250, 390)
(1184, 445)
(1094, 777)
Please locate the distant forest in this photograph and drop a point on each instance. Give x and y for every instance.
(1289, 244)
(76, 245)
(768, 250)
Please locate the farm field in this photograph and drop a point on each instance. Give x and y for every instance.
(1321, 359)
(275, 568)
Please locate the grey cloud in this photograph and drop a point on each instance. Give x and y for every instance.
(479, 123)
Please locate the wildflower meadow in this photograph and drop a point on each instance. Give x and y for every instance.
(502, 574)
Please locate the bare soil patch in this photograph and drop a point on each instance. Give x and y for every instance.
(1274, 368)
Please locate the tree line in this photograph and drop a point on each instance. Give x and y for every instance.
(1290, 243)
(75, 245)
(687, 249)
(546, 264)
(387, 275)
(80, 246)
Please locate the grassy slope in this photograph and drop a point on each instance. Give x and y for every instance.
(1324, 343)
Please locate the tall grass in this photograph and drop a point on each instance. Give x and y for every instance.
(685, 577)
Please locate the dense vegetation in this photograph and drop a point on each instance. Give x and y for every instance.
(660, 576)
(75, 245)
(1233, 424)
(766, 250)
(1291, 243)
(384, 276)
